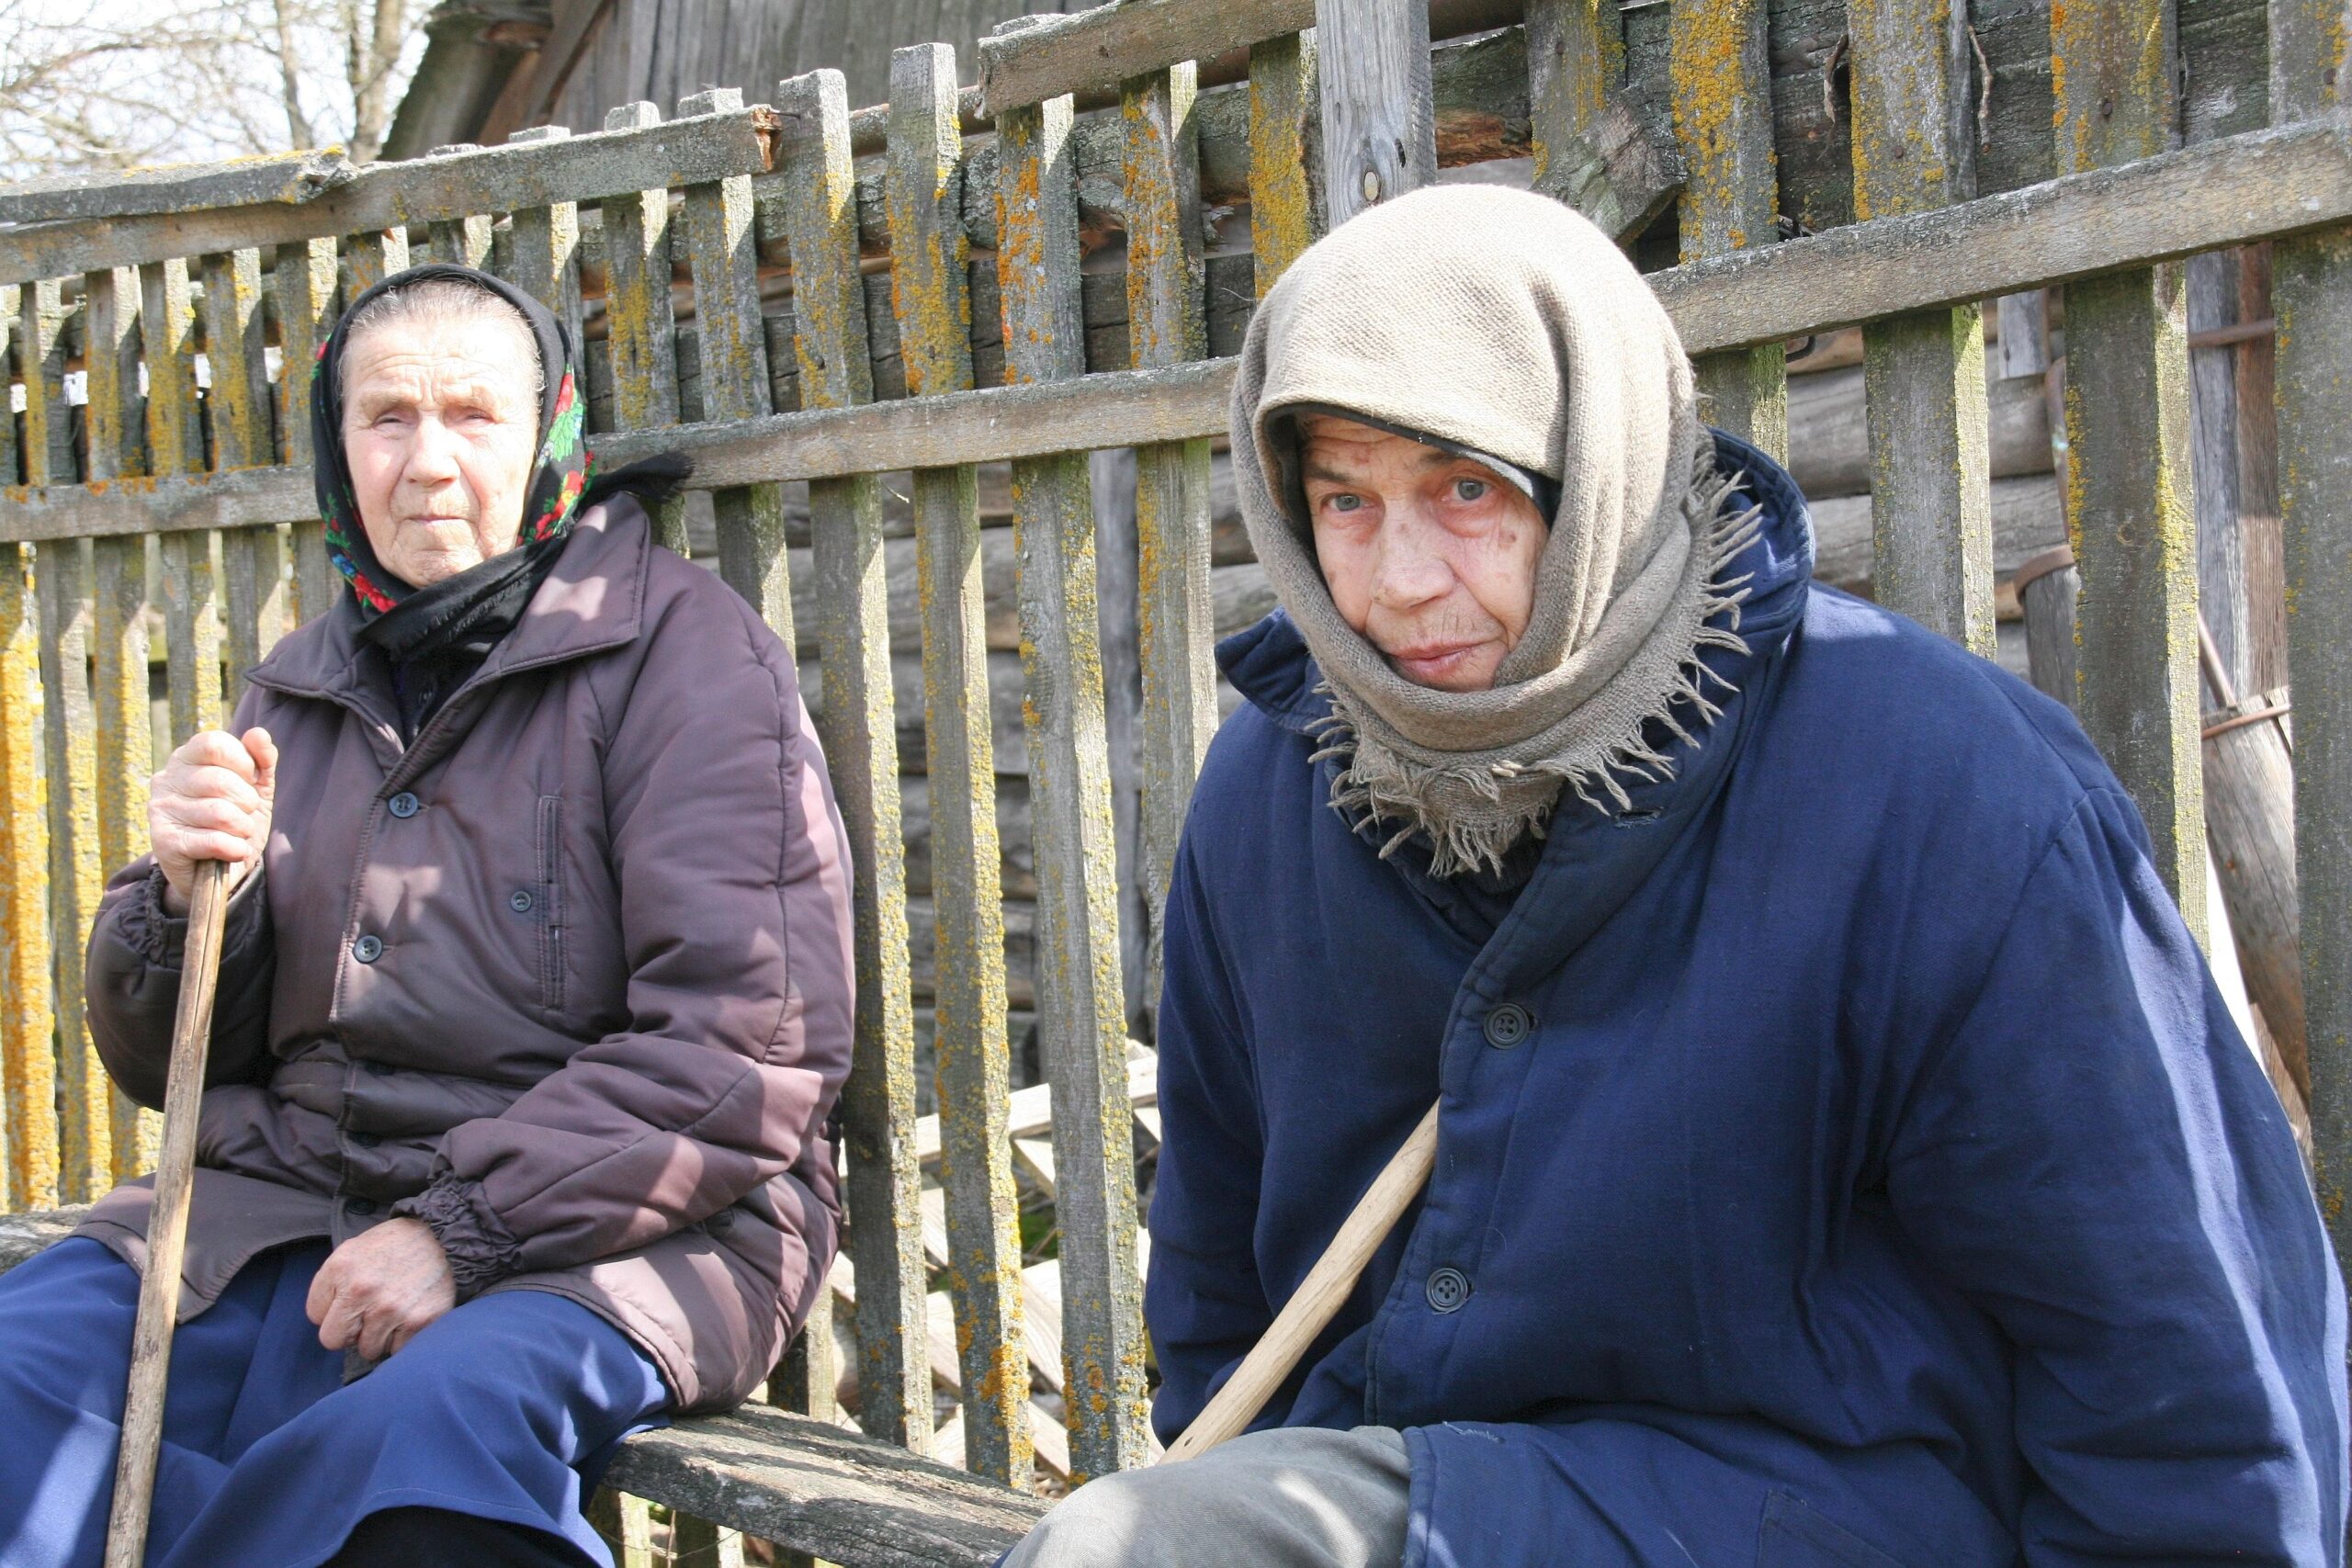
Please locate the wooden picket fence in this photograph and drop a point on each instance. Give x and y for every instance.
(795, 293)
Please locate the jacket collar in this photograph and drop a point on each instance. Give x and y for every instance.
(592, 601)
(1592, 862)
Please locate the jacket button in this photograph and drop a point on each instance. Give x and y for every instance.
(1509, 1025)
(403, 804)
(369, 948)
(520, 901)
(1447, 1290)
(359, 1207)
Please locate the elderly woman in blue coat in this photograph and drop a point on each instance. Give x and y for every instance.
(1845, 1157)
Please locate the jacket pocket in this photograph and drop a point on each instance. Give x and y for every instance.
(550, 900)
(1795, 1536)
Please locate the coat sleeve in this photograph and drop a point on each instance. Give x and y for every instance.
(1202, 1299)
(132, 974)
(2095, 1159)
(733, 878)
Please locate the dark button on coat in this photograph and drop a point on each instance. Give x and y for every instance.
(609, 995)
(1881, 1180)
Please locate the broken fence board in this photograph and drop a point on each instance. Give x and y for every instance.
(290, 178)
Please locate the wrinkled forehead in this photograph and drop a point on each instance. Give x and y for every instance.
(480, 361)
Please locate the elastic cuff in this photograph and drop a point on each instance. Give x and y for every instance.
(151, 930)
(481, 1250)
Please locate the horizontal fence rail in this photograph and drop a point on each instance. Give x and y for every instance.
(890, 337)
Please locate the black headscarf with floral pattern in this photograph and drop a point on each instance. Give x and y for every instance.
(559, 479)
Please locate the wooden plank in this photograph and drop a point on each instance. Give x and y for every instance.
(110, 338)
(2127, 516)
(373, 256)
(929, 261)
(1592, 150)
(1167, 324)
(75, 876)
(809, 1486)
(1079, 1022)
(1721, 75)
(1285, 155)
(305, 277)
(722, 252)
(858, 724)
(640, 332)
(250, 559)
(28, 1061)
(120, 704)
(191, 625)
(1931, 467)
(1092, 47)
(546, 247)
(1379, 118)
(2311, 79)
(288, 178)
(465, 241)
(383, 195)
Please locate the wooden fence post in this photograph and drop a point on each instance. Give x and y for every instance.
(1591, 151)
(305, 274)
(1722, 79)
(1078, 989)
(640, 330)
(930, 295)
(2128, 515)
(1379, 120)
(1286, 202)
(191, 590)
(861, 744)
(547, 251)
(28, 1134)
(1931, 492)
(2311, 74)
(250, 558)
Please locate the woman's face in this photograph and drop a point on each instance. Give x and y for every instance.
(1431, 556)
(440, 428)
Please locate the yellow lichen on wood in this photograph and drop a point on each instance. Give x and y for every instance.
(27, 1062)
(1722, 115)
(1284, 216)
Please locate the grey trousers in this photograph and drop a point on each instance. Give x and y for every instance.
(1294, 1498)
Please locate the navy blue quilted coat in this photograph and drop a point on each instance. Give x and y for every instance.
(1880, 1182)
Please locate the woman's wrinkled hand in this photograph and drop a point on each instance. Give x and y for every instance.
(379, 1290)
(211, 802)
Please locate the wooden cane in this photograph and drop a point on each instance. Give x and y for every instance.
(1318, 1299)
(159, 1290)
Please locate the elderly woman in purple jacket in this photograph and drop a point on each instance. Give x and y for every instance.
(1845, 1158)
(534, 1003)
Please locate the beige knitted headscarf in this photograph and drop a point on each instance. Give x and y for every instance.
(1505, 323)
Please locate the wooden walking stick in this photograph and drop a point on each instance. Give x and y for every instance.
(1318, 1298)
(158, 1289)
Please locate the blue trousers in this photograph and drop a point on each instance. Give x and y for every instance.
(268, 1458)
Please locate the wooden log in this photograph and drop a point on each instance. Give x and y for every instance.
(383, 195)
(640, 332)
(1072, 53)
(2127, 435)
(1830, 451)
(305, 277)
(1079, 1022)
(24, 1236)
(1723, 122)
(28, 1077)
(809, 1486)
(289, 177)
(1379, 112)
(1592, 150)
(1914, 146)
(979, 1238)
(2250, 815)
(2029, 517)
(860, 739)
(1286, 202)
(2311, 79)
(1167, 326)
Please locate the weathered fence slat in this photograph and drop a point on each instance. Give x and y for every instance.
(641, 331)
(76, 874)
(861, 739)
(191, 621)
(1079, 994)
(2310, 77)
(546, 247)
(29, 1136)
(1167, 324)
(250, 558)
(40, 361)
(1285, 157)
(1924, 374)
(1379, 118)
(1592, 150)
(373, 256)
(1723, 117)
(931, 297)
(464, 240)
(305, 275)
(116, 420)
(2129, 515)
(722, 255)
